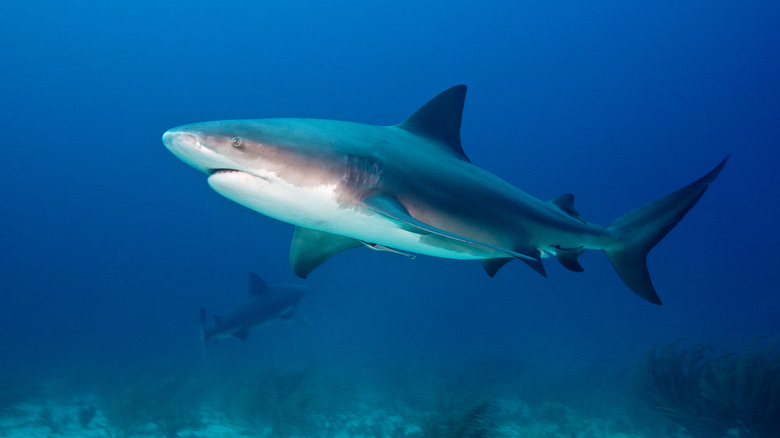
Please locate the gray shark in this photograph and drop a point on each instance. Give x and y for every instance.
(410, 188)
(264, 305)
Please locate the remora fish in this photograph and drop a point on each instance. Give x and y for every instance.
(265, 304)
(410, 187)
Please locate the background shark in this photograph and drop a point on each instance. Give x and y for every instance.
(410, 187)
(264, 305)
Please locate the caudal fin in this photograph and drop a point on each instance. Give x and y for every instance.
(203, 332)
(638, 231)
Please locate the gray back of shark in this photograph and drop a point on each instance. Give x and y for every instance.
(410, 188)
(265, 304)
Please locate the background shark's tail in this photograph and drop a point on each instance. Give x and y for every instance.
(203, 333)
(638, 231)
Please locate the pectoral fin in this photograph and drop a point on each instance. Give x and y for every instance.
(311, 248)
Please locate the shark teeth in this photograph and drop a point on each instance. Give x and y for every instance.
(216, 171)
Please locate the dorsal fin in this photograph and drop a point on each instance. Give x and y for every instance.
(566, 203)
(257, 287)
(440, 118)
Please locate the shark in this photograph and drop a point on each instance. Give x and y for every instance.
(409, 188)
(265, 304)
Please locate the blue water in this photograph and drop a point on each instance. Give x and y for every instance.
(109, 244)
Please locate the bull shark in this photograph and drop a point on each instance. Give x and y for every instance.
(410, 188)
(264, 305)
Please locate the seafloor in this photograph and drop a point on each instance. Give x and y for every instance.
(189, 399)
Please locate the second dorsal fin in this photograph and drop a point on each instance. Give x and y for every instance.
(566, 203)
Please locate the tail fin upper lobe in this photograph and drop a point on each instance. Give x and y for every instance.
(638, 231)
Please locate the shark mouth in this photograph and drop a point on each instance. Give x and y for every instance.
(215, 174)
(221, 171)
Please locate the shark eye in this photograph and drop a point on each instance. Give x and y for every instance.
(236, 141)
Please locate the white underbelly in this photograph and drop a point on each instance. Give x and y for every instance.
(317, 208)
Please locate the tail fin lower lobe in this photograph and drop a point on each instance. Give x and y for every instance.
(639, 230)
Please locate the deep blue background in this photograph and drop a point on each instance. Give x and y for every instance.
(108, 243)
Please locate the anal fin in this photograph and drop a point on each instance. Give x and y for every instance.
(568, 258)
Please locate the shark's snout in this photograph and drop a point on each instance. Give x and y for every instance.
(187, 147)
(175, 139)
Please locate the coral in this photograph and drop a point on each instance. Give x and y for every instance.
(747, 387)
(708, 395)
(670, 380)
(475, 421)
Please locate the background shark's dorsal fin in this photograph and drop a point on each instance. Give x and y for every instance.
(257, 287)
(440, 118)
(566, 203)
